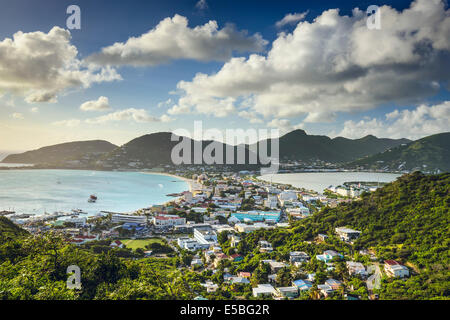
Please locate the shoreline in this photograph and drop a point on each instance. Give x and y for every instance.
(191, 183)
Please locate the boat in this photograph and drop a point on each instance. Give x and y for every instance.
(92, 198)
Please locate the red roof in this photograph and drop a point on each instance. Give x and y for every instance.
(166, 218)
(391, 262)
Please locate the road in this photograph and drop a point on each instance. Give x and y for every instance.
(374, 281)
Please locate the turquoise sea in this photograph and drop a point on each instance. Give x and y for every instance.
(39, 191)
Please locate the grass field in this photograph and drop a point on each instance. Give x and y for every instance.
(139, 243)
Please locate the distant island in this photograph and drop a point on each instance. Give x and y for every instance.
(297, 150)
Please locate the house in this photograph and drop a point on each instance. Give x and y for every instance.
(322, 237)
(116, 244)
(287, 292)
(236, 257)
(238, 280)
(196, 262)
(325, 289)
(147, 253)
(395, 269)
(298, 256)
(210, 286)
(302, 285)
(311, 276)
(263, 290)
(329, 255)
(265, 246)
(245, 274)
(274, 265)
(356, 269)
(347, 234)
(162, 221)
(334, 284)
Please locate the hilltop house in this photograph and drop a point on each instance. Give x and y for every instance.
(329, 255)
(395, 269)
(347, 234)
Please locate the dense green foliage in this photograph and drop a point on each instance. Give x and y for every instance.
(407, 220)
(430, 154)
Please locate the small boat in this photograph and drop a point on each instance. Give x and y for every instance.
(92, 198)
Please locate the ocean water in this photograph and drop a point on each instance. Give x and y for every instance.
(39, 191)
(318, 181)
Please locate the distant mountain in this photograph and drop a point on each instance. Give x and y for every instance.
(66, 153)
(298, 145)
(154, 150)
(430, 154)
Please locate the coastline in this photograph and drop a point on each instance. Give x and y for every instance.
(192, 185)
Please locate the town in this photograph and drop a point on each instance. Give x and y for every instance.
(219, 229)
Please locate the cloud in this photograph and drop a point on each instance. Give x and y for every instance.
(136, 115)
(201, 5)
(39, 66)
(291, 18)
(284, 125)
(333, 64)
(173, 39)
(17, 115)
(71, 123)
(101, 104)
(413, 124)
(34, 109)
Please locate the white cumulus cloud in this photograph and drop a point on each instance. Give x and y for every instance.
(333, 64)
(291, 18)
(101, 104)
(173, 39)
(136, 115)
(39, 66)
(413, 124)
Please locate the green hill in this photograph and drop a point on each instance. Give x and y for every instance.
(298, 145)
(431, 154)
(9, 229)
(73, 153)
(407, 220)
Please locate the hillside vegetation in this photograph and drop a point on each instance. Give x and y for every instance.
(431, 154)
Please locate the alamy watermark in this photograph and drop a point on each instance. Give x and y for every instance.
(243, 147)
(74, 280)
(373, 21)
(74, 20)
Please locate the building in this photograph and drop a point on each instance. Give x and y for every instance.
(164, 221)
(395, 269)
(356, 269)
(347, 234)
(205, 235)
(263, 290)
(329, 255)
(265, 246)
(116, 244)
(298, 256)
(334, 284)
(271, 202)
(122, 218)
(287, 292)
(302, 285)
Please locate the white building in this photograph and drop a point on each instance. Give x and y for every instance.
(263, 290)
(162, 221)
(395, 269)
(356, 268)
(119, 218)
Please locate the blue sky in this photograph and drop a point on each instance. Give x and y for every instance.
(135, 93)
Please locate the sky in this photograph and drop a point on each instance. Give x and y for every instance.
(137, 67)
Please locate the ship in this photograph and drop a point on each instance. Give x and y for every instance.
(92, 198)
